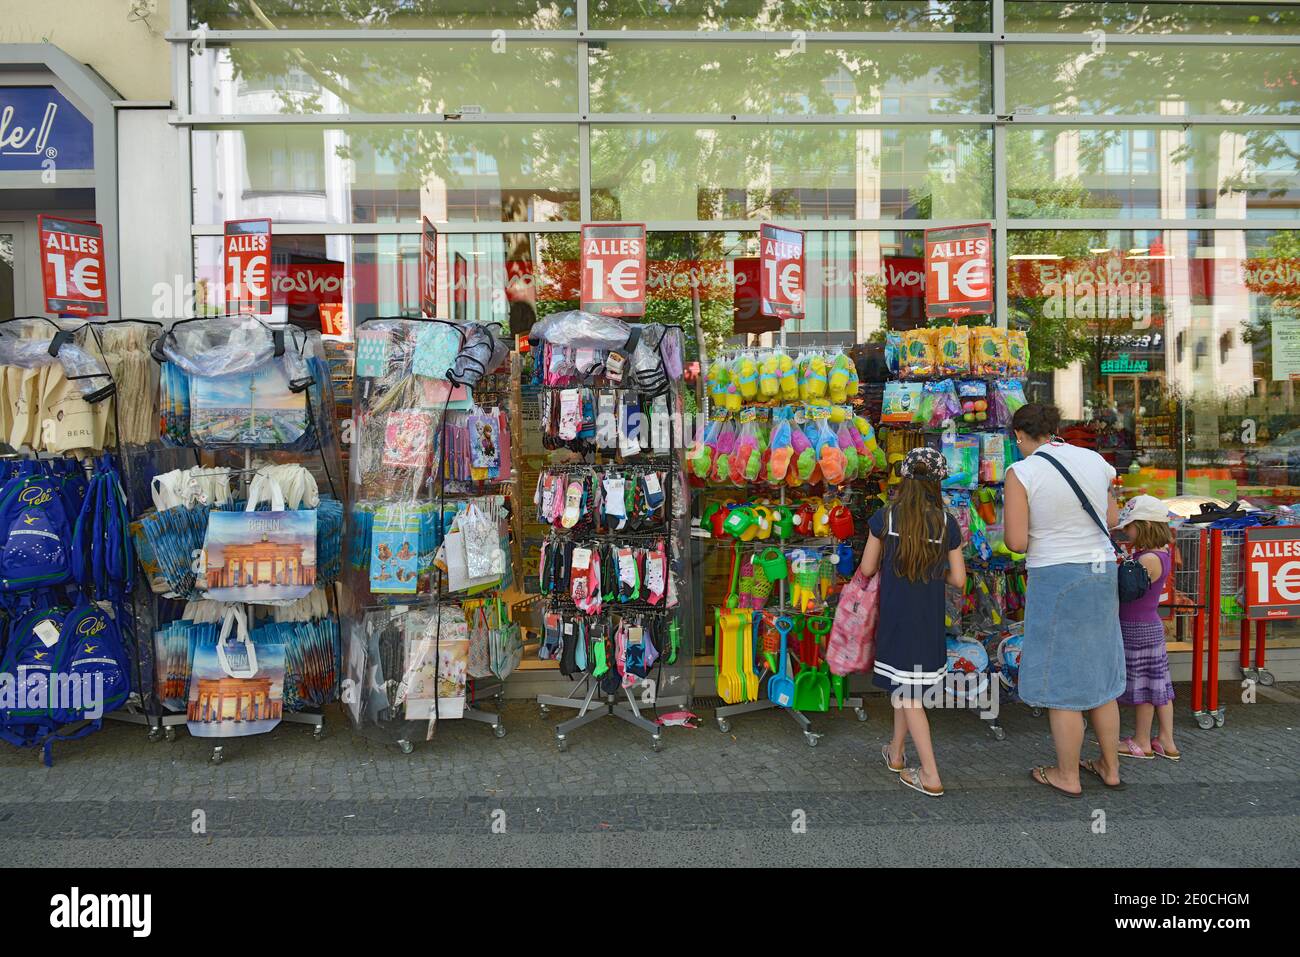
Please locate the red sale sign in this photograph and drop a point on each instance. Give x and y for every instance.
(72, 266)
(781, 254)
(428, 269)
(959, 271)
(248, 266)
(614, 269)
(1273, 572)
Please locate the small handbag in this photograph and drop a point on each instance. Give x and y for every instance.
(1133, 578)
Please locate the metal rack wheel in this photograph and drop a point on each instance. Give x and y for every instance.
(561, 742)
(499, 730)
(1266, 678)
(724, 725)
(656, 743)
(406, 746)
(861, 713)
(169, 734)
(811, 738)
(1205, 721)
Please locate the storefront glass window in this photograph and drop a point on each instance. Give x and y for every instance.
(437, 77)
(903, 78)
(1203, 172)
(332, 282)
(386, 174)
(1164, 80)
(1173, 351)
(687, 173)
(383, 15)
(936, 16)
(1170, 16)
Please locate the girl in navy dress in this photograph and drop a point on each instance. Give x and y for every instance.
(915, 547)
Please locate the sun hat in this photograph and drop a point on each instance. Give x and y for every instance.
(1143, 508)
(928, 462)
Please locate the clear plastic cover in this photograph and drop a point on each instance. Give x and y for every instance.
(229, 345)
(428, 534)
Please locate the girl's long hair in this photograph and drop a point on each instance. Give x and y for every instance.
(922, 528)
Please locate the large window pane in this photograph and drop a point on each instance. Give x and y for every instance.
(385, 77)
(383, 15)
(1170, 349)
(1170, 80)
(386, 174)
(820, 172)
(936, 16)
(1170, 16)
(1196, 173)
(905, 78)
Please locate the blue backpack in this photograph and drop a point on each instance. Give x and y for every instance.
(34, 533)
(79, 659)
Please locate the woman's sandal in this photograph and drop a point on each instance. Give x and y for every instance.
(1039, 776)
(1091, 768)
(884, 753)
(1128, 748)
(1159, 749)
(911, 778)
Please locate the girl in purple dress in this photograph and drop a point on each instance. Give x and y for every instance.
(1149, 689)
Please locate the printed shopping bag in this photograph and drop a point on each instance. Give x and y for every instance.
(455, 555)
(852, 645)
(395, 551)
(266, 558)
(436, 665)
(255, 408)
(237, 686)
(483, 556)
(480, 641)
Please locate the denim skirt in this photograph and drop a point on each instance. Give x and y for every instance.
(1073, 654)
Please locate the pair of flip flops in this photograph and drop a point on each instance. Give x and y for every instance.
(1129, 748)
(1039, 776)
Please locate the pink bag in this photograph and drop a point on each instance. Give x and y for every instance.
(852, 645)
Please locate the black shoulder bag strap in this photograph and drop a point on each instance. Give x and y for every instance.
(1083, 499)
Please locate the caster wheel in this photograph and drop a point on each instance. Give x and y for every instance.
(724, 725)
(1218, 721)
(656, 744)
(544, 710)
(561, 743)
(499, 730)
(1038, 712)
(1205, 721)
(998, 734)
(170, 734)
(811, 738)
(861, 713)
(155, 734)
(217, 756)
(1266, 678)
(406, 746)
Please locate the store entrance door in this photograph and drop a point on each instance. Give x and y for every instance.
(13, 270)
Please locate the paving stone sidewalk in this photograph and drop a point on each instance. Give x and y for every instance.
(708, 798)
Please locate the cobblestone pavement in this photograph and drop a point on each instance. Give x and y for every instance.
(708, 799)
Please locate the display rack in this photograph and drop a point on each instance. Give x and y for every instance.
(594, 699)
(429, 494)
(164, 721)
(124, 605)
(764, 701)
(975, 389)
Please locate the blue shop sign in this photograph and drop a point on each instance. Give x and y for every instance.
(37, 123)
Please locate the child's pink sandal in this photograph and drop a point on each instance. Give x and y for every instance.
(1159, 749)
(1129, 749)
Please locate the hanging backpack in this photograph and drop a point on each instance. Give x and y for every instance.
(69, 667)
(35, 534)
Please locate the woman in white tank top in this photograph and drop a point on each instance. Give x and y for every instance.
(1073, 655)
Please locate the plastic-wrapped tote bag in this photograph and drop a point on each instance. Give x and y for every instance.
(852, 645)
(483, 555)
(266, 558)
(237, 686)
(458, 547)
